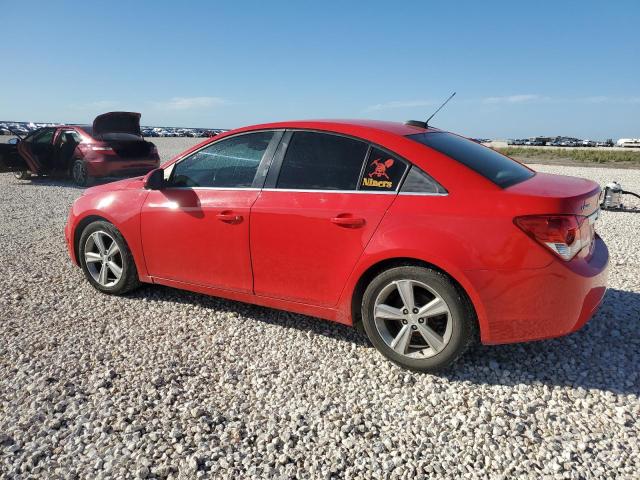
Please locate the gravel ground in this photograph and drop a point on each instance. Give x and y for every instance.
(165, 383)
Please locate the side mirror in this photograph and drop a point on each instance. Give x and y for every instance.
(155, 180)
(13, 141)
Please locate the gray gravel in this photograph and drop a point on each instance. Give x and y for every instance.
(165, 383)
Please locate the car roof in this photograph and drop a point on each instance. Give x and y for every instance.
(344, 125)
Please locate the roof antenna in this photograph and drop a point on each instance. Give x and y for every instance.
(417, 123)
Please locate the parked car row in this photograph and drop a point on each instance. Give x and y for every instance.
(25, 128)
(559, 142)
(180, 132)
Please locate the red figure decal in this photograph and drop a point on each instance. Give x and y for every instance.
(381, 168)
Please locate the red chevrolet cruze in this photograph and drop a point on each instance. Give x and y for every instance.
(426, 240)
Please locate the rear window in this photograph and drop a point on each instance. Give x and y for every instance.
(492, 165)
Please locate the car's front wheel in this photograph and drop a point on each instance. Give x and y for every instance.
(106, 259)
(417, 318)
(80, 174)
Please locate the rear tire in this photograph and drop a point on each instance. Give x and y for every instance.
(80, 174)
(22, 175)
(418, 318)
(106, 259)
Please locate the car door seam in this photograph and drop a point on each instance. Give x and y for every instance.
(364, 250)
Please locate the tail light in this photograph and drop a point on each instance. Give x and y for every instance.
(103, 150)
(564, 235)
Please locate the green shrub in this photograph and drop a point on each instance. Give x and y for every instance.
(574, 154)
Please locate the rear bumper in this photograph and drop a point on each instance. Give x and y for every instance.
(535, 304)
(103, 167)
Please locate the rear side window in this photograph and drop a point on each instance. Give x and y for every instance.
(229, 163)
(319, 161)
(492, 165)
(418, 181)
(383, 172)
(44, 137)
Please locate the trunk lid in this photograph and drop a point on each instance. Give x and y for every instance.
(562, 194)
(559, 212)
(117, 122)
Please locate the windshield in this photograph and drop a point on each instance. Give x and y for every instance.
(501, 170)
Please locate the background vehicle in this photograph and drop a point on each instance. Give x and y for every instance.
(421, 237)
(112, 146)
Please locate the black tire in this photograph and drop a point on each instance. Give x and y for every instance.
(463, 330)
(22, 175)
(80, 175)
(129, 278)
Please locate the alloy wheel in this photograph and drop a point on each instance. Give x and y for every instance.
(103, 258)
(412, 319)
(79, 173)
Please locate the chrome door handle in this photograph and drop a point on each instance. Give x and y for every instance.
(228, 216)
(346, 220)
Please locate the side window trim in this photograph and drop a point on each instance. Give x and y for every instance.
(261, 171)
(274, 168)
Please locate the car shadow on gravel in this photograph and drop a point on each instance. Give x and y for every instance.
(282, 318)
(603, 355)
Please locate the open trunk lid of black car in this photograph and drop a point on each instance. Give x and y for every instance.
(116, 123)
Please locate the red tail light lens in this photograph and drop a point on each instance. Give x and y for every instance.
(103, 150)
(564, 235)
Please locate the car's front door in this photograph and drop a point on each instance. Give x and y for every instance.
(37, 150)
(196, 229)
(10, 159)
(310, 225)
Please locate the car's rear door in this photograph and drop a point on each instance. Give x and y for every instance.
(196, 230)
(323, 199)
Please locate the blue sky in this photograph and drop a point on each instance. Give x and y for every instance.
(520, 69)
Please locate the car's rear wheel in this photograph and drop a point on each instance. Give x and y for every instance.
(417, 318)
(106, 259)
(22, 174)
(80, 174)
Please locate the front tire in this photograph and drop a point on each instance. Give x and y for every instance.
(106, 259)
(80, 174)
(417, 318)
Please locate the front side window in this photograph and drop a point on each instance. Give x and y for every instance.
(383, 172)
(498, 168)
(320, 161)
(229, 163)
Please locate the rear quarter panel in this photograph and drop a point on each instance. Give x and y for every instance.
(460, 232)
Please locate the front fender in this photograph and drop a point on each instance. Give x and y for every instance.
(122, 209)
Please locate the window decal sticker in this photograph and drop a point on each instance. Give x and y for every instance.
(378, 177)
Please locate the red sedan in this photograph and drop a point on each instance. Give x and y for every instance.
(426, 240)
(112, 147)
